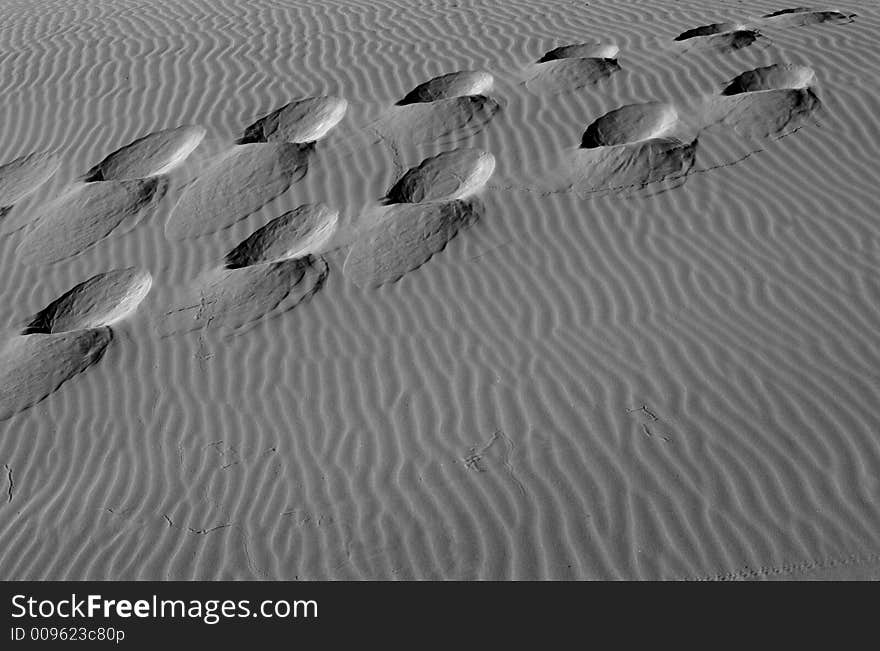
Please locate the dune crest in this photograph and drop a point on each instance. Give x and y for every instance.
(86, 214)
(242, 181)
(301, 121)
(102, 300)
(154, 154)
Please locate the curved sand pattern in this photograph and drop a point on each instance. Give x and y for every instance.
(454, 84)
(450, 175)
(676, 386)
(301, 121)
(232, 298)
(22, 176)
(86, 214)
(404, 237)
(102, 300)
(154, 154)
(296, 233)
(803, 17)
(242, 181)
(34, 366)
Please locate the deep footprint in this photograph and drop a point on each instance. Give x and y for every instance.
(451, 175)
(34, 366)
(299, 232)
(102, 300)
(22, 176)
(242, 181)
(156, 153)
(301, 121)
(571, 67)
(454, 84)
(85, 215)
(404, 237)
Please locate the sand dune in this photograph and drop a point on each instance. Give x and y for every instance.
(452, 290)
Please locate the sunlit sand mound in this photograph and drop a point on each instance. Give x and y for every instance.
(451, 175)
(156, 153)
(446, 120)
(301, 121)
(581, 51)
(296, 233)
(554, 73)
(627, 149)
(404, 237)
(242, 181)
(234, 297)
(772, 77)
(766, 102)
(33, 366)
(20, 177)
(86, 214)
(803, 16)
(454, 84)
(102, 300)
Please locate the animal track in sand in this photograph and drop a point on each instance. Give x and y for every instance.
(298, 232)
(85, 214)
(454, 84)
(450, 175)
(581, 51)
(22, 176)
(709, 30)
(240, 182)
(444, 120)
(154, 154)
(301, 121)
(102, 300)
(804, 16)
(773, 77)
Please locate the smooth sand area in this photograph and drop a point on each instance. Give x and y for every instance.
(348, 289)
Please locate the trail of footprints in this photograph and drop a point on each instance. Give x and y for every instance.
(281, 264)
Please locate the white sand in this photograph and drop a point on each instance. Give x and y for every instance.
(653, 357)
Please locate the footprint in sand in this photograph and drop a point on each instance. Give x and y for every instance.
(626, 149)
(85, 214)
(444, 109)
(572, 67)
(770, 101)
(66, 337)
(241, 181)
(154, 154)
(22, 176)
(301, 121)
(422, 211)
(273, 270)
